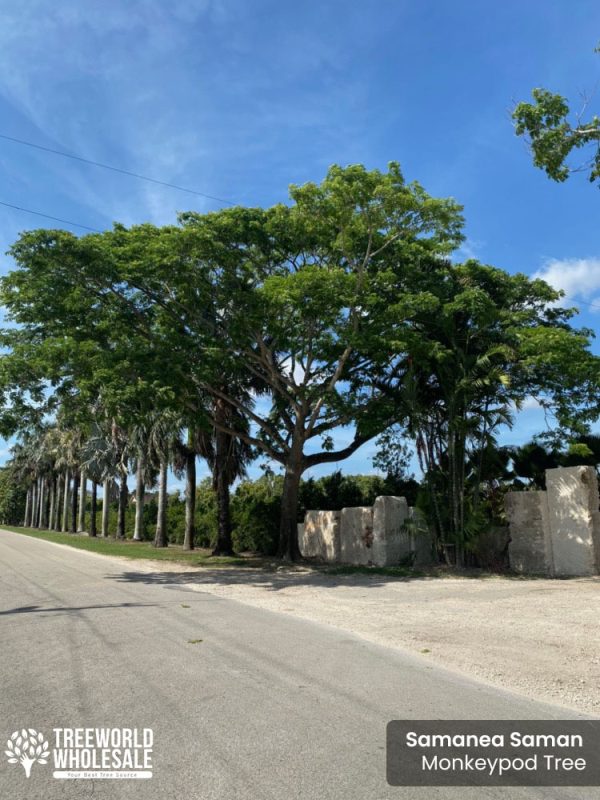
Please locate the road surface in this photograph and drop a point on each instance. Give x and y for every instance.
(243, 702)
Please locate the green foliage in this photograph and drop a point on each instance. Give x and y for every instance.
(255, 511)
(553, 136)
(12, 498)
(337, 310)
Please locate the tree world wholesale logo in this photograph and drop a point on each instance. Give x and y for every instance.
(90, 753)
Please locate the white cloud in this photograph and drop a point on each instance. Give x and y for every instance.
(530, 403)
(470, 248)
(578, 278)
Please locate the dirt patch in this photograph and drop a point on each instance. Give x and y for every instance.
(538, 637)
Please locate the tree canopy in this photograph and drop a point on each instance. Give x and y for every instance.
(300, 332)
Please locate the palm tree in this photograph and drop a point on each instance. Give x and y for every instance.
(102, 457)
(68, 461)
(145, 472)
(227, 457)
(163, 442)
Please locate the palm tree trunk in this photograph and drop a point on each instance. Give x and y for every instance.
(160, 537)
(94, 508)
(56, 519)
(123, 498)
(38, 497)
(65, 514)
(52, 481)
(42, 515)
(190, 501)
(82, 502)
(105, 506)
(34, 496)
(27, 507)
(224, 546)
(74, 498)
(140, 489)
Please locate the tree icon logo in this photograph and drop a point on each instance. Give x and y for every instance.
(25, 747)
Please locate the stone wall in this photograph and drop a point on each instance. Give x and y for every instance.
(573, 516)
(356, 535)
(530, 549)
(557, 532)
(392, 542)
(369, 535)
(319, 536)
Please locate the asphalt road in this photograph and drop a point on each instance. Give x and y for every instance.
(264, 706)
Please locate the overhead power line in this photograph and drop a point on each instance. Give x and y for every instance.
(49, 216)
(585, 302)
(131, 174)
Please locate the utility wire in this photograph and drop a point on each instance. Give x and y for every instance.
(49, 216)
(585, 302)
(115, 169)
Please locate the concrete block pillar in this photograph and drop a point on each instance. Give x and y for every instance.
(574, 520)
(319, 536)
(530, 549)
(356, 528)
(391, 540)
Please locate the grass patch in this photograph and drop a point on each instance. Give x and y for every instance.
(129, 549)
(194, 641)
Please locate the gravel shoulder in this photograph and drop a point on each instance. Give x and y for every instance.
(537, 637)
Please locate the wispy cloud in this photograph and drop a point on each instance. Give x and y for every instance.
(578, 278)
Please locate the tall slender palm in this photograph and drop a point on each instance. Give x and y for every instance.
(227, 458)
(145, 471)
(164, 441)
(101, 457)
(68, 461)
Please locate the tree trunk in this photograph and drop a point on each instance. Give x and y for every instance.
(52, 480)
(160, 537)
(65, 515)
(57, 503)
(42, 503)
(27, 508)
(224, 546)
(38, 504)
(94, 508)
(74, 499)
(123, 498)
(82, 501)
(190, 501)
(288, 530)
(140, 489)
(32, 510)
(105, 506)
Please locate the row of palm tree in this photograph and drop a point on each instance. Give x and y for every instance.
(57, 461)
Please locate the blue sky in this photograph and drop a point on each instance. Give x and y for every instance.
(239, 99)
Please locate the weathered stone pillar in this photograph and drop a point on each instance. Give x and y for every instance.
(319, 536)
(574, 520)
(530, 549)
(391, 540)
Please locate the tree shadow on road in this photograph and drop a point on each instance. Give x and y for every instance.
(276, 580)
(285, 577)
(69, 609)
